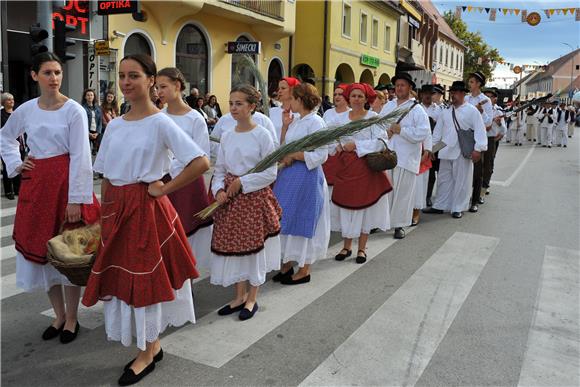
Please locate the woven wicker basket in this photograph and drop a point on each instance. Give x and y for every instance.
(77, 271)
(383, 160)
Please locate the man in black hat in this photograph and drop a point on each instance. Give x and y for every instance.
(438, 94)
(498, 130)
(406, 139)
(548, 117)
(433, 110)
(454, 180)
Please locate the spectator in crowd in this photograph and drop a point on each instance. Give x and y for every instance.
(213, 111)
(11, 185)
(191, 99)
(155, 98)
(326, 104)
(94, 117)
(199, 108)
(125, 107)
(379, 102)
(110, 108)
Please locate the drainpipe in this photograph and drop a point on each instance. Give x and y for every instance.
(324, 37)
(290, 47)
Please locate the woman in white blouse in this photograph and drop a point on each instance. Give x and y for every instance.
(285, 86)
(144, 265)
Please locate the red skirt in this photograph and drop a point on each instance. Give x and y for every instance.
(357, 187)
(330, 168)
(144, 254)
(188, 201)
(242, 225)
(41, 209)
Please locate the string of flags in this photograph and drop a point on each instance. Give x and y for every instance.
(532, 18)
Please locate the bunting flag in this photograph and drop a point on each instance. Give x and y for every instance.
(504, 10)
(480, 9)
(469, 8)
(517, 11)
(577, 14)
(487, 10)
(558, 11)
(551, 11)
(458, 12)
(494, 11)
(524, 16)
(547, 12)
(464, 8)
(565, 10)
(511, 11)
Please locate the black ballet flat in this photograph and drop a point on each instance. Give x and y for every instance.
(156, 359)
(68, 336)
(290, 281)
(129, 377)
(399, 233)
(342, 257)
(52, 332)
(280, 276)
(360, 259)
(247, 314)
(227, 310)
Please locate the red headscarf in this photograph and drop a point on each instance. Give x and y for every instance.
(291, 81)
(366, 89)
(342, 86)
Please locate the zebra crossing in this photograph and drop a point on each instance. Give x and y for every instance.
(395, 344)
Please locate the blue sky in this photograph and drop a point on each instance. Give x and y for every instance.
(519, 42)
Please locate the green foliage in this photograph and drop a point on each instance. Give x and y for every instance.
(476, 48)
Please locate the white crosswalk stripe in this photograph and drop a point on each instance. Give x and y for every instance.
(552, 357)
(395, 344)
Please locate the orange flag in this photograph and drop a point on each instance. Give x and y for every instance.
(551, 12)
(517, 11)
(469, 8)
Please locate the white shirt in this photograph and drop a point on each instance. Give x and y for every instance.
(141, 151)
(497, 128)
(469, 118)
(367, 140)
(487, 113)
(276, 118)
(241, 151)
(544, 113)
(301, 127)
(332, 117)
(193, 124)
(433, 111)
(52, 133)
(415, 129)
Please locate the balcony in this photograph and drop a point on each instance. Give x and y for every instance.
(270, 8)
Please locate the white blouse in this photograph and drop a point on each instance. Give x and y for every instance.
(487, 106)
(241, 151)
(367, 140)
(301, 127)
(332, 117)
(276, 118)
(52, 133)
(140, 151)
(194, 125)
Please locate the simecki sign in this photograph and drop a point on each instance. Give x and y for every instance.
(243, 47)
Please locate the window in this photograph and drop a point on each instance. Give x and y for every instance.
(137, 44)
(363, 27)
(191, 57)
(375, 33)
(446, 56)
(441, 53)
(387, 38)
(452, 58)
(346, 17)
(241, 74)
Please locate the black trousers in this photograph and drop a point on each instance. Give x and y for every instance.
(488, 161)
(477, 180)
(432, 176)
(11, 185)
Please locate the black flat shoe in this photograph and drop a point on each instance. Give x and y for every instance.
(280, 276)
(67, 336)
(247, 314)
(432, 210)
(290, 281)
(341, 257)
(226, 310)
(473, 208)
(457, 215)
(129, 377)
(156, 359)
(481, 201)
(429, 202)
(10, 196)
(399, 233)
(52, 332)
(360, 259)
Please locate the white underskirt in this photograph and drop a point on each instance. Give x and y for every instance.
(123, 321)
(421, 191)
(228, 270)
(200, 243)
(306, 251)
(352, 223)
(32, 277)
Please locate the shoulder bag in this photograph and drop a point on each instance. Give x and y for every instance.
(466, 138)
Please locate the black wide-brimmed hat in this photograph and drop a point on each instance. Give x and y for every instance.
(437, 88)
(491, 90)
(381, 87)
(479, 76)
(390, 86)
(404, 76)
(427, 89)
(459, 86)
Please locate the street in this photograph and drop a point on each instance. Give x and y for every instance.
(489, 299)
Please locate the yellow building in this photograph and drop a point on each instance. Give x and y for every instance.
(192, 35)
(345, 41)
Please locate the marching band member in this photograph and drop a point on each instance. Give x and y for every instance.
(563, 118)
(285, 86)
(455, 171)
(531, 123)
(359, 210)
(498, 129)
(405, 138)
(547, 116)
(192, 198)
(56, 187)
(245, 243)
(517, 126)
(302, 192)
(144, 265)
(438, 93)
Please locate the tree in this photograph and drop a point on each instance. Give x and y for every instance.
(478, 54)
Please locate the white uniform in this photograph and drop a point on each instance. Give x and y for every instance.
(415, 129)
(140, 152)
(195, 126)
(49, 133)
(547, 117)
(562, 120)
(332, 117)
(517, 127)
(239, 152)
(298, 248)
(572, 122)
(531, 126)
(352, 223)
(455, 179)
(420, 202)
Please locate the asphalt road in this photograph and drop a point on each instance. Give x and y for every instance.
(490, 299)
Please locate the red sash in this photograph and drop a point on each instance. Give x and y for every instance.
(330, 168)
(144, 254)
(242, 225)
(356, 186)
(188, 201)
(42, 202)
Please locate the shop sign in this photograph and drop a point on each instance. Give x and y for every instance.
(116, 7)
(93, 67)
(102, 47)
(75, 13)
(243, 48)
(370, 61)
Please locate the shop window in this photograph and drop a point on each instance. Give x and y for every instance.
(242, 74)
(191, 58)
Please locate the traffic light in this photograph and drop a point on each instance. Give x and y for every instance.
(37, 35)
(61, 42)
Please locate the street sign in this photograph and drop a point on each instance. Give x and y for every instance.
(244, 47)
(102, 48)
(116, 7)
(370, 61)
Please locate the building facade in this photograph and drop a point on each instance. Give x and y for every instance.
(560, 75)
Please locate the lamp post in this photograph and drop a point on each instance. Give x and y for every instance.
(571, 71)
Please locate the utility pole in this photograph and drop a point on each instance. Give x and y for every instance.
(44, 17)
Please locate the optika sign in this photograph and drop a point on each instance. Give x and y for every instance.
(117, 7)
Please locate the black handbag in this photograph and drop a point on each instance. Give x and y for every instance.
(466, 138)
